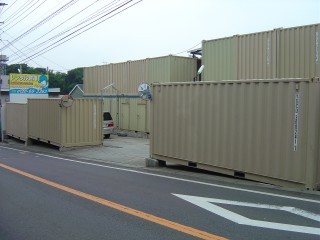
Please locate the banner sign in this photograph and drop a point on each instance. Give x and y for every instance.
(28, 84)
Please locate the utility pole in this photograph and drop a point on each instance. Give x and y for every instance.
(3, 60)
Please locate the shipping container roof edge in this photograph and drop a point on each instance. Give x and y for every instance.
(145, 59)
(240, 81)
(245, 34)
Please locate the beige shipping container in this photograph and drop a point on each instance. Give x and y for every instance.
(16, 119)
(299, 50)
(279, 53)
(77, 125)
(257, 56)
(129, 113)
(264, 130)
(96, 78)
(127, 76)
(220, 59)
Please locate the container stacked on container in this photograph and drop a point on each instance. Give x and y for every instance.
(280, 53)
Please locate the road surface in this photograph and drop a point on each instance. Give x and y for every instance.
(46, 197)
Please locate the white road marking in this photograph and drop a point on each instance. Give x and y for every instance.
(208, 204)
(173, 178)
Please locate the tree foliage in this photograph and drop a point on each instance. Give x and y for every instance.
(64, 81)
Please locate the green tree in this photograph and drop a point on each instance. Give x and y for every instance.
(73, 77)
(57, 80)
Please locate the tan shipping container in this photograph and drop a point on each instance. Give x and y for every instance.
(299, 50)
(74, 126)
(220, 59)
(257, 56)
(129, 113)
(279, 53)
(264, 130)
(127, 76)
(16, 119)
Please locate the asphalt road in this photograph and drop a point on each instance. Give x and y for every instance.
(55, 198)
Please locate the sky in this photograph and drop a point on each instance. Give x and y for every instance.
(147, 29)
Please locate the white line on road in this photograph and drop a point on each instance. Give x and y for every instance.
(210, 205)
(174, 178)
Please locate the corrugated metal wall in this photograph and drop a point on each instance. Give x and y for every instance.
(220, 59)
(78, 125)
(16, 119)
(256, 55)
(127, 76)
(129, 113)
(81, 124)
(158, 70)
(280, 53)
(44, 120)
(299, 50)
(267, 130)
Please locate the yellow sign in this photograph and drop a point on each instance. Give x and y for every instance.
(29, 84)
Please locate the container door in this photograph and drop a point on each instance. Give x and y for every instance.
(125, 113)
(142, 117)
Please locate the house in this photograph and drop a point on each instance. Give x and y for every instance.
(77, 91)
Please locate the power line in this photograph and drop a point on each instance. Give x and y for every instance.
(64, 7)
(69, 36)
(22, 15)
(21, 53)
(14, 14)
(63, 32)
(12, 4)
(81, 23)
(25, 55)
(188, 49)
(56, 44)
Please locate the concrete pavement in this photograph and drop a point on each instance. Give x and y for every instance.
(126, 151)
(132, 152)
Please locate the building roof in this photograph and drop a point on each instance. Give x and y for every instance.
(77, 86)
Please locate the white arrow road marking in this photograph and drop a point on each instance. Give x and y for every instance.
(208, 204)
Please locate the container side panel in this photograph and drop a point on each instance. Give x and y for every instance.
(137, 75)
(44, 120)
(220, 59)
(120, 76)
(299, 50)
(158, 70)
(256, 55)
(96, 78)
(17, 119)
(82, 123)
(252, 127)
(182, 69)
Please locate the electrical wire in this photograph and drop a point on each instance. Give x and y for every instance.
(188, 49)
(15, 13)
(22, 15)
(64, 7)
(97, 19)
(21, 53)
(70, 29)
(56, 44)
(59, 34)
(25, 55)
(12, 4)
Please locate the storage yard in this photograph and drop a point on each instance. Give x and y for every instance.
(255, 113)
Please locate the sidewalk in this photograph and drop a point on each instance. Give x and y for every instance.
(125, 151)
(133, 152)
